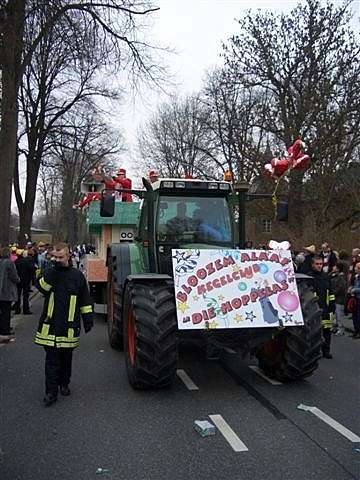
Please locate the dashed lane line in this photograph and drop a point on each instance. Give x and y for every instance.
(228, 433)
(334, 424)
(190, 385)
(262, 374)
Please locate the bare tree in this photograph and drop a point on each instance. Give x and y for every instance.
(57, 79)
(80, 143)
(236, 124)
(308, 64)
(114, 25)
(176, 141)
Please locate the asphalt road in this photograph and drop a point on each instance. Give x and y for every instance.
(150, 435)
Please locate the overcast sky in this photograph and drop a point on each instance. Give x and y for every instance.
(195, 29)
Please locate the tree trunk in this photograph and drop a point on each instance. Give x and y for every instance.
(11, 49)
(26, 206)
(68, 214)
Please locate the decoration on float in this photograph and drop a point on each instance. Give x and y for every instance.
(235, 289)
(295, 159)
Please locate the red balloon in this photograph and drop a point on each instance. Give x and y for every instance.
(280, 165)
(302, 163)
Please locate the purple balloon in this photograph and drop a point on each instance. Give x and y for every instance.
(279, 276)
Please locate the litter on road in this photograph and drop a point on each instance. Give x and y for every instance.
(306, 408)
(100, 471)
(204, 427)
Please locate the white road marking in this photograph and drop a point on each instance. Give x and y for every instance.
(190, 385)
(334, 424)
(262, 374)
(230, 436)
(229, 350)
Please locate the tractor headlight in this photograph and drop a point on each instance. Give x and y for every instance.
(179, 184)
(213, 186)
(167, 184)
(224, 186)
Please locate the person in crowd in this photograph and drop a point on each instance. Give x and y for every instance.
(326, 298)
(339, 287)
(41, 256)
(355, 258)
(355, 290)
(8, 292)
(329, 257)
(306, 264)
(13, 256)
(345, 259)
(25, 268)
(248, 244)
(67, 301)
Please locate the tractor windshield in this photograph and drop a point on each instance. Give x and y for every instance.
(193, 220)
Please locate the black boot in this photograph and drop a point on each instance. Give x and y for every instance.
(65, 390)
(49, 399)
(327, 355)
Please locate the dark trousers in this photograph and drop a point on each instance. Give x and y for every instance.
(326, 332)
(25, 291)
(356, 317)
(5, 316)
(57, 368)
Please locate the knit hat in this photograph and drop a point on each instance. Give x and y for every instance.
(310, 249)
(153, 173)
(121, 171)
(19, 251)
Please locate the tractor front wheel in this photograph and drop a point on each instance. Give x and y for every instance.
(294, 353)
(150, 334)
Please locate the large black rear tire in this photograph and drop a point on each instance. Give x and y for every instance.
(114, 311)
(150, 334)
(294, 353)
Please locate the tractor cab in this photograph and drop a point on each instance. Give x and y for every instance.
(188, 213)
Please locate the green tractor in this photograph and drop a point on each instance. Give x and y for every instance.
(141, 312)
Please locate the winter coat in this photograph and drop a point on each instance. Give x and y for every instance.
(67, 301)
(339, 286)
(8, 280)
(325, 296)
(356, 287)
(26, 268)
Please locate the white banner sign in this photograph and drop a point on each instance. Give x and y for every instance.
(235, 289)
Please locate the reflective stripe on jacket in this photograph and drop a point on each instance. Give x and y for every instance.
(67, 300)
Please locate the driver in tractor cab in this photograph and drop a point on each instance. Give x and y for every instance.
(204, 231)
(180, 223)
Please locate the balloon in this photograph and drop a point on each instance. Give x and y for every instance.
(280, 165)
(269, 170)
(279, 276)
(263, 268)
(288, 301)
(242, 286)
(302, 162)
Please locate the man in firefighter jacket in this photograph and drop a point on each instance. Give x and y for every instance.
(67, 299)
(326, 298)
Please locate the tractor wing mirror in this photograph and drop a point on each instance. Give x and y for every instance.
(107, 205)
